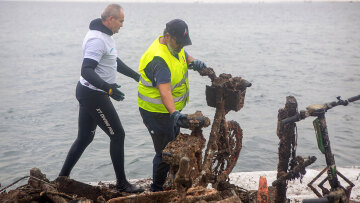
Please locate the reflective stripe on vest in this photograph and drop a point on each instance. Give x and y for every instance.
(159, 101)
(148, 84)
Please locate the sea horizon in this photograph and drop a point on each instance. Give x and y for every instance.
(194, 1)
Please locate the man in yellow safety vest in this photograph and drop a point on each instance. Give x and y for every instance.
(164, 90)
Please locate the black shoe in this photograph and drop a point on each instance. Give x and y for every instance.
(129, 188)
(154, 188)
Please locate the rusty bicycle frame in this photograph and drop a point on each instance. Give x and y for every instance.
(225, 141)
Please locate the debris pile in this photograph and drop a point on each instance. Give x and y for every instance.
(190, 173)
(62, 189)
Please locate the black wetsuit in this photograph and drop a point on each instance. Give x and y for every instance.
(96, 109)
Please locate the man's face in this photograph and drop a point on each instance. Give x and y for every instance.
(173, 46)
(117, 23)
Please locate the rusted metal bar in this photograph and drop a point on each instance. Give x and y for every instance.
(286, 134)
(313, 180)
(348, 188)
(212, 146)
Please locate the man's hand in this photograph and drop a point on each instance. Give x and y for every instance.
(176, 118)
(197, 65)
(114, 92)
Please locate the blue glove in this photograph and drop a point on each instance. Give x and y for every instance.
(197, 65)
(113, 91)
(176, 118)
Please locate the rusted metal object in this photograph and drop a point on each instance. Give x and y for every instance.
(227, 90)
(196, 121)
(337, 192)
(286, 134)
(194, 194)
(290, 166)
(189, 146)
(225, 94)
(225, 141)
(42, 190)
(340, 194)
(297, 170)
(61, 190)
(73, 187)
(182, 178)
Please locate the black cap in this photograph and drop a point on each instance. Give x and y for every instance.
(179, 29)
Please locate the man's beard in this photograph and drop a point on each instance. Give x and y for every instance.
(173, 51)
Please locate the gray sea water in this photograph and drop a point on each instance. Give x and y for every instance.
(308, 50)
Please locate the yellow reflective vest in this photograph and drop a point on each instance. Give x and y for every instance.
(149, 96)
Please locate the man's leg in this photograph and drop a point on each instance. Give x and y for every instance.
(160, 172)
(85, 136)
(159, 128)
(106, 117)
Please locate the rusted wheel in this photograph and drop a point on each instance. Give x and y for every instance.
(229, 146)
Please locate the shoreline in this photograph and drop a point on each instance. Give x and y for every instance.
(296, 191)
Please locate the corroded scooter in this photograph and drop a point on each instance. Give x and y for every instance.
(337, 193)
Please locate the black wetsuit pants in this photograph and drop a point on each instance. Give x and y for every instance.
(96, 109)
(160, 128)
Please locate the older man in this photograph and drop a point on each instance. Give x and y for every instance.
(96, 86)
(164, 90)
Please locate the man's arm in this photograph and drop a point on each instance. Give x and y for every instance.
(92, 55)
(194, 64)
(126, 70)
(175, 116)
(189, 59)
(161, 77)
(88, 72)
(93, 52)
(166, 97)
(159, 74)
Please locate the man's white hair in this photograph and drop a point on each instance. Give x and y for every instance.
(111, 10)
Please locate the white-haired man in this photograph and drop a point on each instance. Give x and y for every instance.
(96, 86)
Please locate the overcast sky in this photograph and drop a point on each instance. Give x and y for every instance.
(200, 1)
